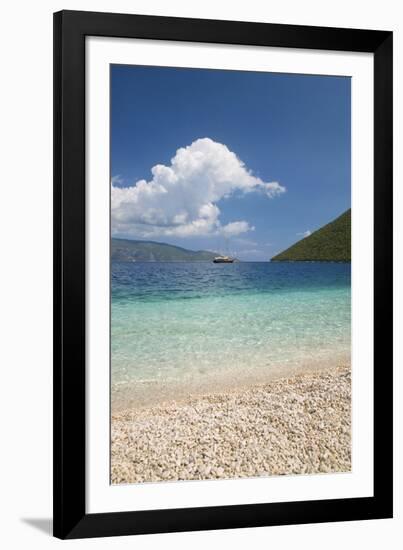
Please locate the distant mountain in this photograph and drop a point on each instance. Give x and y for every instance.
(330, 243)
(126, 250)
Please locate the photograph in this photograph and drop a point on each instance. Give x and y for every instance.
(230, 274)
(201, 275)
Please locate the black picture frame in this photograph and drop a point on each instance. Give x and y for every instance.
(70, 517)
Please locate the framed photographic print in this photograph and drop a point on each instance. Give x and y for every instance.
(223, 274)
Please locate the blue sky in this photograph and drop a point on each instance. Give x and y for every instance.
(211, 159)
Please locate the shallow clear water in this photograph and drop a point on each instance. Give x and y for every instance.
(199, 323)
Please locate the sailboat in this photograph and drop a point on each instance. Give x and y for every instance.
(224, 259)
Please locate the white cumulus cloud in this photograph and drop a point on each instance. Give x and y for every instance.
(181, 199)
(304, 233)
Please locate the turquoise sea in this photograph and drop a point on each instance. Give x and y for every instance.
(199, 326)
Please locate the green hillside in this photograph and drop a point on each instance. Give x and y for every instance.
(126, 250)
(330, 243)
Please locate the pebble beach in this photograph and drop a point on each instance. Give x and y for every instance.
(294, 425)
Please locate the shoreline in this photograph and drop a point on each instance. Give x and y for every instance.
(140, 394)
(300, 424)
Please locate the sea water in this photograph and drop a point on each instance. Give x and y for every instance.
(179, 327)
